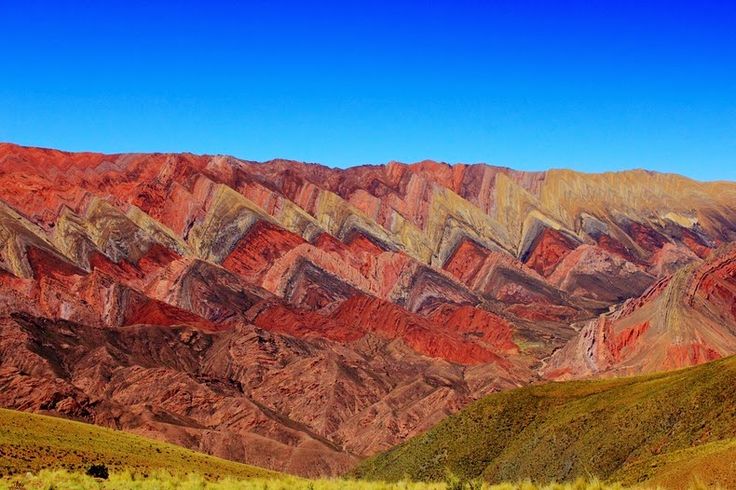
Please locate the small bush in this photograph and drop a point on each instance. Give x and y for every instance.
(98, 471)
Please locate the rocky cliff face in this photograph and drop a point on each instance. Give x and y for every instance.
(684, 319)
(300, 317)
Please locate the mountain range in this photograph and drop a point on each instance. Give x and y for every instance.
(301, 318)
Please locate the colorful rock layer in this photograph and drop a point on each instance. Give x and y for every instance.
(299, 317)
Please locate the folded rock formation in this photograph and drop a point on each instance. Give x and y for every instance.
(300, 317)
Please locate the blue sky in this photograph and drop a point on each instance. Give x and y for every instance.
(587, 85)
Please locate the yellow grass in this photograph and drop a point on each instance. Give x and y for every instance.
(162, 480)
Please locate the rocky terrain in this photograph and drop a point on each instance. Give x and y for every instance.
(300, 317)
(685, 318)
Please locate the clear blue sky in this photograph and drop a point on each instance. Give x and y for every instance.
(588, 85)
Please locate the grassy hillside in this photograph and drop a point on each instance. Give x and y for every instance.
(712, 464)
(29, 443)
(628, 429)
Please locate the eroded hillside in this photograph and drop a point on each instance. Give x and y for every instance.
(300, 317)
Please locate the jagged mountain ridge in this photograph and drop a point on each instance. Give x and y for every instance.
(377, 299)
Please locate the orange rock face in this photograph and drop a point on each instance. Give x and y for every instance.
(258, 249)
(299, 317)
(548, 250)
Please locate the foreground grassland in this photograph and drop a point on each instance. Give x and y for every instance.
(62, 480)
(45, 453)
(669, 429)
(31, 443)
